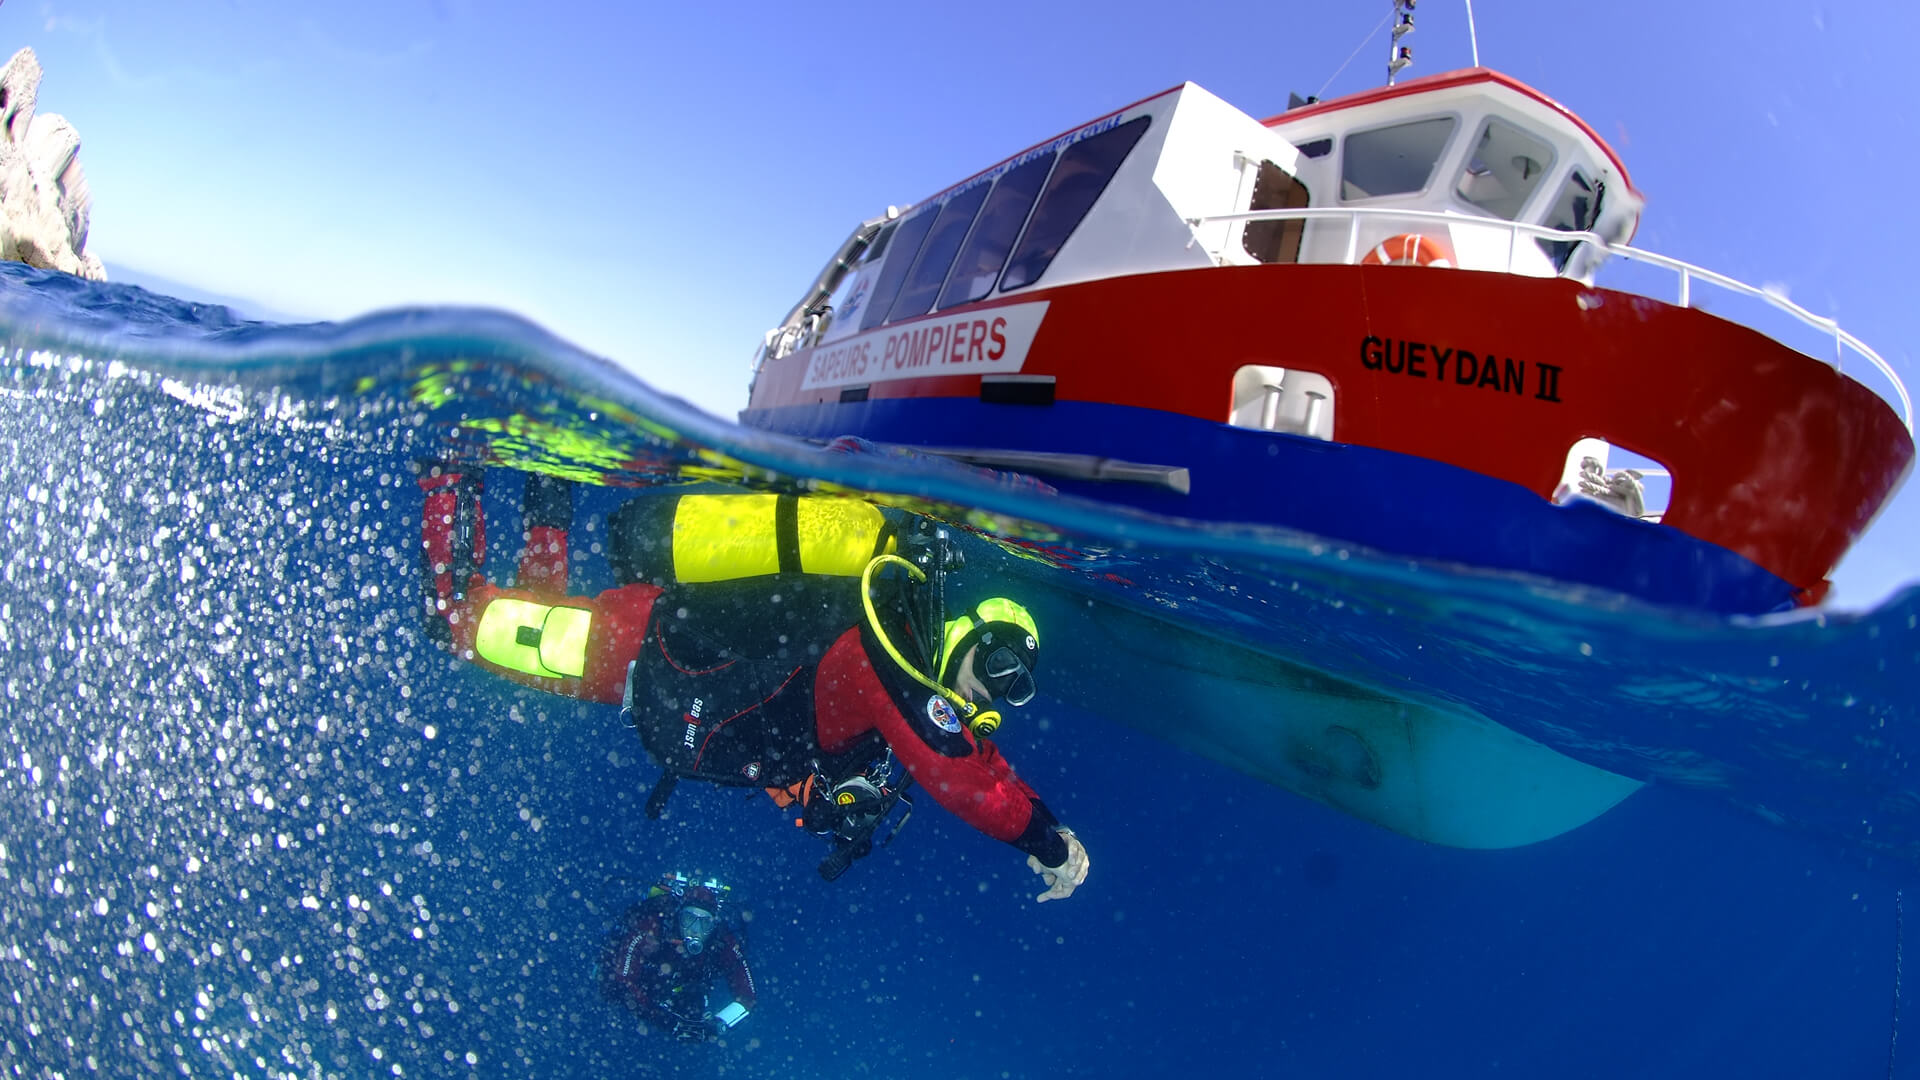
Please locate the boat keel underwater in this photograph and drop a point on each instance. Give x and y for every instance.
(1444, 774)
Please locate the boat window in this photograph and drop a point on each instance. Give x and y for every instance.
(986, 251)
(1275, 241)
(1392, 160)
(879, 245)
(1505, 167)
(1318, 148)
(906, 244)
(936, 255)
(1076, 183)
(1574, 210)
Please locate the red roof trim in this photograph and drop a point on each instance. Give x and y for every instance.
(1448, 80)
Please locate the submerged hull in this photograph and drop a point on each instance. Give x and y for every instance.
(1433, 771)
(1379, 499)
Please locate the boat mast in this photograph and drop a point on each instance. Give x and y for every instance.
(1400, 56)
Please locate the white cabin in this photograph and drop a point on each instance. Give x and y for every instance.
(1183, 180)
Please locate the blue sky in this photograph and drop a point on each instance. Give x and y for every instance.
(658, 185)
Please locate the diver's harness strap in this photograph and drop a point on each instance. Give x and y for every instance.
(932, 559)
(662, 791)
(663, 787)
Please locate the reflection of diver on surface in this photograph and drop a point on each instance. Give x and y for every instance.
(667, 954)
(754, 640)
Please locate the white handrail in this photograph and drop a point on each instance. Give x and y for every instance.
(1685, 270)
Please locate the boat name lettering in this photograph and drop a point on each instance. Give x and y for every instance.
(1464, 367)
(946, 343)
(993, 341)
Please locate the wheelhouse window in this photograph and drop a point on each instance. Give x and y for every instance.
(906, 244)
(1575, 209)
(980, 261)
(1275, 241)
(936, 254)
(1084, 171)
(1505, 168)
(879, 245)
(1395, 160)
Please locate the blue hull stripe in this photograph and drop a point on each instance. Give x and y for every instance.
(1393, 502)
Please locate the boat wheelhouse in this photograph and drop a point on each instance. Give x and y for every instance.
(1374, 319)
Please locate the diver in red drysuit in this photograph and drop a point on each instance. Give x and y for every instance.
(666, 954)
(779, 681)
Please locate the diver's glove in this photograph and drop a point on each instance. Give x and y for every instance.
(1063, 879)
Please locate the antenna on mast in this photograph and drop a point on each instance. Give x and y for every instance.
(1473, 35)
(1400, 56)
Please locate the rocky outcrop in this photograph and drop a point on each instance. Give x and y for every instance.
(43, 190)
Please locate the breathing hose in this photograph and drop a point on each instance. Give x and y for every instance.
(980, 722)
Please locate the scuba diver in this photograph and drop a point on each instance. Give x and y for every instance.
(668, 953)
(795, 644)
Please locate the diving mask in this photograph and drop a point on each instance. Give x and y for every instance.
(696, 924)
(1007, 676)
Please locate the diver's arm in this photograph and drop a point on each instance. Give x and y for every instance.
(627, 968)
(966, 775)
(739, 978)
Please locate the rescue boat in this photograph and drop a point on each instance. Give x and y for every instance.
(1373, 319)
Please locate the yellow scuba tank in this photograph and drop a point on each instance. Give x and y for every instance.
(672, 538)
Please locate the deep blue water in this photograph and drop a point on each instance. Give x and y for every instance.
(253, 823)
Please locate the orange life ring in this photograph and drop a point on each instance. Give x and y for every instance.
(1409, 249)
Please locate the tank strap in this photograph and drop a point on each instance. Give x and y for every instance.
(662, 791)
(786, 532)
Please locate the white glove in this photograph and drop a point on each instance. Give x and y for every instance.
(1063, 879)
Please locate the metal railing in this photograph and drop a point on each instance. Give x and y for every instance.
(1687, 272)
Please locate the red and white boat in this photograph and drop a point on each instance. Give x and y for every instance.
(1373, 319)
